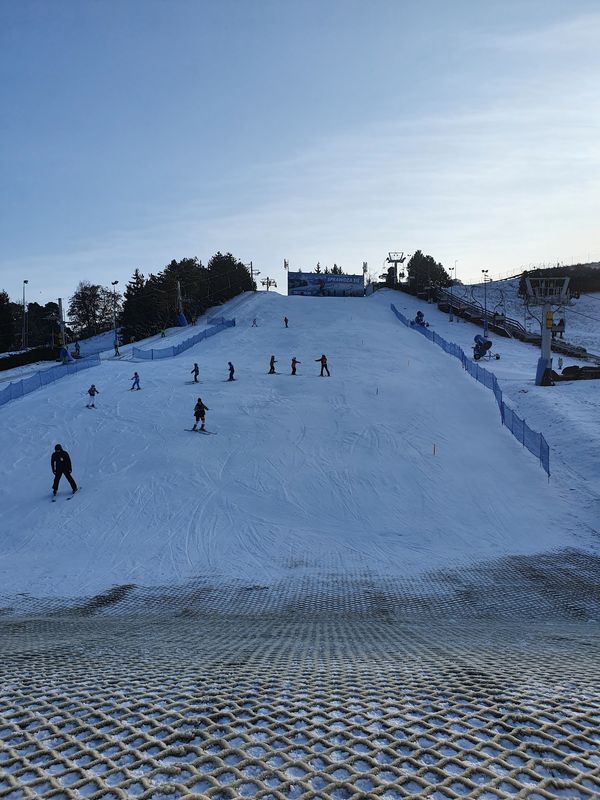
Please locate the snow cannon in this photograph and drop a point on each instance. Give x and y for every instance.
(482, 347)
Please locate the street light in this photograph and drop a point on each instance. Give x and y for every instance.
(113, 284)
(485, 280)
(24, 336)
(452, 271)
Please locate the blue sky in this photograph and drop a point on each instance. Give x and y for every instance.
(140, 131)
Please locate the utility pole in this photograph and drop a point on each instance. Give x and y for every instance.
(452, 270)
(179, 299)
(61, 322)
(24, 335)
(485, 323)
(114, 284)
(253, 272)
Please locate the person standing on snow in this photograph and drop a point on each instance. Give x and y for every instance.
(92, 391)
(324, 366)
(61, 465)
(231, 371)
(254, 325)
(117, 353)
(199, 414)
(294, 362)
(285, 321)
(136, 382)
(272, 363)
(195, 372)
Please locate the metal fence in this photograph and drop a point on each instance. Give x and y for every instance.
(532, 440)
(175, 350)
(44, 377)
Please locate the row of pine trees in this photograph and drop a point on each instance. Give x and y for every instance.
(147, 305)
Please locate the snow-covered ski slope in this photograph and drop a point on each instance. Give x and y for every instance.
(308, 476)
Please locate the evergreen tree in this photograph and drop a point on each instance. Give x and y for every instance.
(8, 328)
(137, 316)
(423, 271)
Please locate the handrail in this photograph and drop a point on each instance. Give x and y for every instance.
(507, 322)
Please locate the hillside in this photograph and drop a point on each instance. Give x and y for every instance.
(306, 479)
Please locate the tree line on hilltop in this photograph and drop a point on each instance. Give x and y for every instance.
(147, 304)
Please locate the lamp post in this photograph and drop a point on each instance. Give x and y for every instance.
(24, 335)
(114, 284)
(452, 271)
(485, 323)
(253, 272)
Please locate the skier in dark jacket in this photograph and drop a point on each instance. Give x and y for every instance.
(136, 382)
(294, 363)
(199, 413)
(92, 391)
(196, 372)
(231, 371)
(61, 465)
(285, 321)
(324, 366)
(272, 363)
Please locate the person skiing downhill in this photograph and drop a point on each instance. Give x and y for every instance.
(136, 382)
(195, 372)
(61, 465)
(272, 363)
(285, 321)
(199, 414)
(254, 325)
(231, 371)
(294, 363)
(92, 391)
(324, 366)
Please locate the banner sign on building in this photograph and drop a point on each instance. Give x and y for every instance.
(318, 284)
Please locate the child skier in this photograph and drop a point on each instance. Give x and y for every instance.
(136, 382)
(254, 325)
(61, 465)
(92, 391)
(231, 371)
(195, 372)
(324, 366)
(294, 362)
(272, 363)
(199, 414)
(285, 321)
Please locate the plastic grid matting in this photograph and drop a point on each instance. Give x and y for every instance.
(298, 708)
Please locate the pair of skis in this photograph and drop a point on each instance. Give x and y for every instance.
(70, 497)
(208, 433)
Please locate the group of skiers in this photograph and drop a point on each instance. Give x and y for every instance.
(61, 461)
(294, 363)
(93, 391)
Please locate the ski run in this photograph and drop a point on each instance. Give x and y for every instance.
(394, 466)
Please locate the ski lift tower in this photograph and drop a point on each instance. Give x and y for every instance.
(396, 259)
(546, 292)
(268, 282)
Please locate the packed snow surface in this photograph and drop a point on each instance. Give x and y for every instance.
(395, 465)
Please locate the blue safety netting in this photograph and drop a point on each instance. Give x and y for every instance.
(532, 440)
(44, 377)
(175, 350)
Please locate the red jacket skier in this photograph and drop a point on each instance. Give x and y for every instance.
(324, 366)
